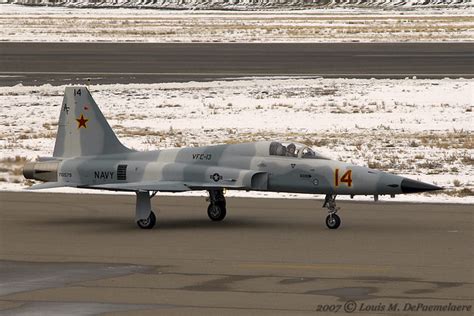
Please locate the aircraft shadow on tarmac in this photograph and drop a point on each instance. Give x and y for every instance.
(236, 222)
(124, 224)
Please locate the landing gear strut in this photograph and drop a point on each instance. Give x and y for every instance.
(333, 221)
(144, 216)
(217, 206)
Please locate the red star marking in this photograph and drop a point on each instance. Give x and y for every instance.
(81, 122)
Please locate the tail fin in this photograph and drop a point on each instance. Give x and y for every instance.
(83, 129)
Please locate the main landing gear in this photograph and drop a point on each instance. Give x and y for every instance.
(333, 221)
(217, 206)
(146, 219)
(144, 216)
(147, 223)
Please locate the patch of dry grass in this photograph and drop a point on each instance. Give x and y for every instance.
(228, 27)
(14, 160)
(464, 192)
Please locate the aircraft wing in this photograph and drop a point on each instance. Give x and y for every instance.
(207, 186)
(162, 186)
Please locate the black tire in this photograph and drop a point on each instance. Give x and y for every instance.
(216, 212)
(148, 223)
(333, 221)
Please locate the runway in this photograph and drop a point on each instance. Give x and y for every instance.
(64, 63)
(62, 253)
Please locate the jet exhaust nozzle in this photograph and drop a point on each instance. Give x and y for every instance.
(41, 170)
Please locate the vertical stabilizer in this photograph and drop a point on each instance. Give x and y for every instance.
(83, 129)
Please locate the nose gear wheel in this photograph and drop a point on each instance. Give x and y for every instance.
(333, 221)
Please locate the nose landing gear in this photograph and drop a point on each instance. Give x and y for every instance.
(333, 221)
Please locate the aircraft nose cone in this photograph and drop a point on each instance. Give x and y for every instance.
(412, 186)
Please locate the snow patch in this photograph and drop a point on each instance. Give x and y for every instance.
(64, 24)
(245, 4)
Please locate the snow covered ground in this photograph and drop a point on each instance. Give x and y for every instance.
(422, 129)
(62, 24)
(247, 5)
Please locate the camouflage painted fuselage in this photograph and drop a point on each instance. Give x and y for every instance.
(87, 154)
(247, 166)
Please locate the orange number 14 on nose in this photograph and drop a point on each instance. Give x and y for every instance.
(346, 178)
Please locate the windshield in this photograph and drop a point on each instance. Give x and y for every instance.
(293, 150)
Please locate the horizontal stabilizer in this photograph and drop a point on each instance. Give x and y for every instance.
(50, 185)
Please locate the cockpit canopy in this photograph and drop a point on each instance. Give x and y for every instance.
(296, 150)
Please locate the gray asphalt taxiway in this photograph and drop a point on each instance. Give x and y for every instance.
(67, 253)
(68, 63)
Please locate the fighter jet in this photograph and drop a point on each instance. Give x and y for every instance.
(88, 154)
